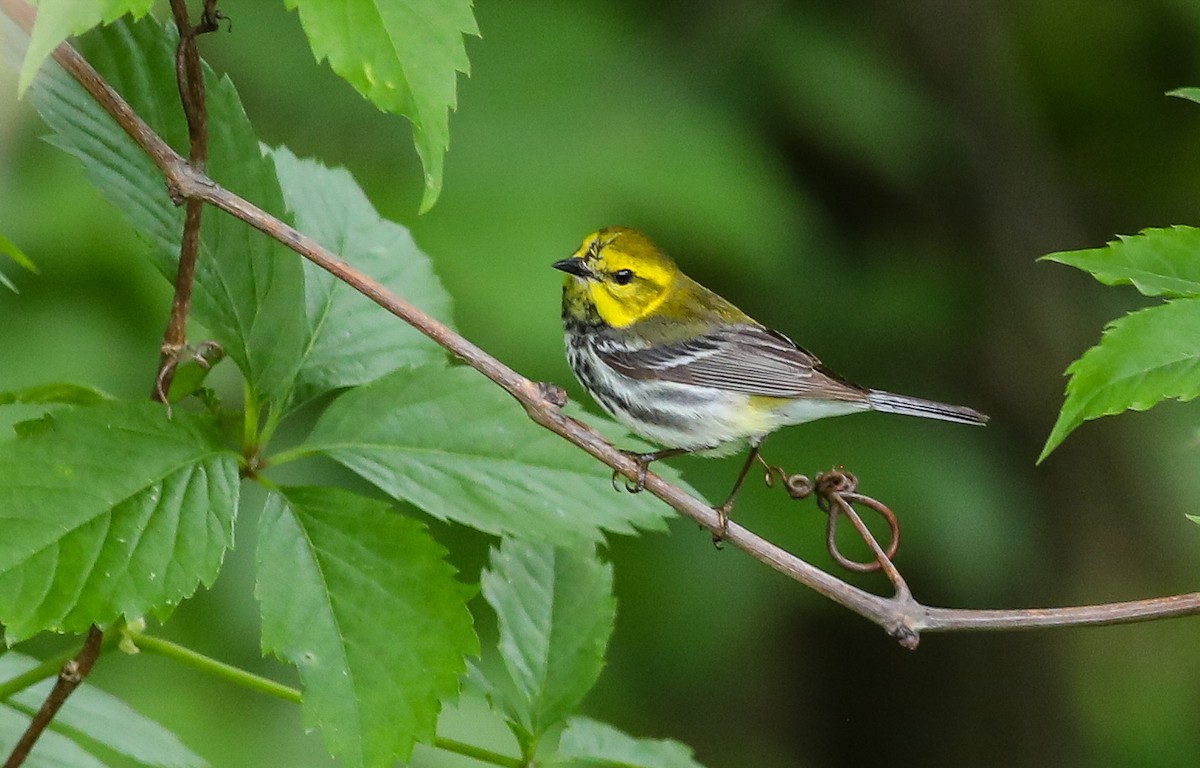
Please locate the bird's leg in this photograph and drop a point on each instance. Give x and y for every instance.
(643, 461)
(724, 510)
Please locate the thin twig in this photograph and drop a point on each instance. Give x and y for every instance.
(72, 674)
(902, 616)
(190, 78)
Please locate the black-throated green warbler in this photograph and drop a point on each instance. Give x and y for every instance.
(684, 368)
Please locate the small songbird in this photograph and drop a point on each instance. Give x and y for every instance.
(687, 370)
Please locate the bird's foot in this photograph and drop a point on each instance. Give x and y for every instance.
(643, 461)
(722, 511)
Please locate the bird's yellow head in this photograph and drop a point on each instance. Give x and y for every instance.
(618, 276)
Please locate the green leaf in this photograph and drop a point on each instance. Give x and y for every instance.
(110, 511)
(249, 289)
(61, 393)
(52, 750)
(353, 340)
(1191, 94)
(103, 718)
(587, 743)
(1143, 358)
(403, 55)
(59, 19)
(112, 162)
(556, 612)
(454, 444)
(1158, 262)
(8, 248)
(360, 599)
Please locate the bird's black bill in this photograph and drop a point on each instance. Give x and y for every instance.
(573, 266)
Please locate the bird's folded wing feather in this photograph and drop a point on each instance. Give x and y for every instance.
(738, 358)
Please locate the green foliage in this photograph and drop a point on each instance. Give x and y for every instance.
(589, 744)
(249, 290)
(9, 249)
(110, 511)
(49, 394)
(403, 55)
(458, 447)
(556, 614)
(1191, 94)
(1151, 354)
(349, 341)
(58, 19)
(361, 601)
(96, 716)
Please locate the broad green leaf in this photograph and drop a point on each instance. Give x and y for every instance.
(59, 19)
(53, 750)
(8, 248)
(103, 718)
(249, 289)
(360, 599)
(1158, 262)
(353, 340)
(556, 611)
(1143, 358)
(109, 511)
(587, 743)
(1191, 94)
(55, 394)
(403, 55)
(453, 443)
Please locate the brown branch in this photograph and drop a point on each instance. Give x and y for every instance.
(901, 616)
(190, 78)
(72, 674)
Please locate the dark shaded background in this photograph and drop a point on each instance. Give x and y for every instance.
(874, 179)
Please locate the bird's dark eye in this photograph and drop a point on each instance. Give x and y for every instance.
(623, 276)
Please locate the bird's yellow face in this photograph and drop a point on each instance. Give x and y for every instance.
(617, 274)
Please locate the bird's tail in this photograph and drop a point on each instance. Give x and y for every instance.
(915, 406)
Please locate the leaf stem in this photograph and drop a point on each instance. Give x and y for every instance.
(291, 454)
(197, 660)
(239, 676)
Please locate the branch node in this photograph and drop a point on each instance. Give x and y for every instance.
(908, 637)
(552, 394)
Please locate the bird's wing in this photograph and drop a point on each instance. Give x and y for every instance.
(738, 358)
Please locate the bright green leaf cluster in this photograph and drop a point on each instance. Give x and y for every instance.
(114, 510)
(1151, 354)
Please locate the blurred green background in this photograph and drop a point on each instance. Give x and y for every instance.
(874, 179)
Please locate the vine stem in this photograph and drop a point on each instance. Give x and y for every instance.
(902, 616)
(190, 77)
(259, 684)
(70, 676)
